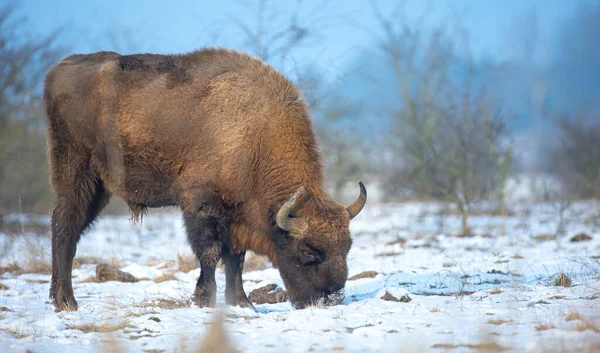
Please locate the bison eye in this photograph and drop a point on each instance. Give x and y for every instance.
(310, 256)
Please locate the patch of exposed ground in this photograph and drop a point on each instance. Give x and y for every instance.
(268, 294)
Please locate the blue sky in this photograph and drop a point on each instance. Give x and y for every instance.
(344, 27)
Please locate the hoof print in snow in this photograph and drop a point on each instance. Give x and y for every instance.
(391, 298)
(581, 237)
(3, 286)
(269, 294)
(364, 274)
(562, 281)
(106, 272)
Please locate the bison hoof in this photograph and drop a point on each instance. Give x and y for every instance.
(242, 302)
(65, 303)
(205, 298)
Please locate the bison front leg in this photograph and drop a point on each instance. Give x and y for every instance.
(234, 288)
(204, 224)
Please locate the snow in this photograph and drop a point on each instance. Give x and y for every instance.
(496, 286)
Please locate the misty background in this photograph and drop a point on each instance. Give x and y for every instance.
(479, 104)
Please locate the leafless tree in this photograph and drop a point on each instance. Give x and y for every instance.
(448, 137)
(275, 36)
(344, 151)
(25, 59)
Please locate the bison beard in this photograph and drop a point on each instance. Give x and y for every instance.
(217, 133)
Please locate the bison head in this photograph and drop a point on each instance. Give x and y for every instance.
(312, 242)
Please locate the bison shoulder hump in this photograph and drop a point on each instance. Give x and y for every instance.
(131, 62)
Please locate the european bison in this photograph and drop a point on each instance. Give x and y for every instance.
(216, 132)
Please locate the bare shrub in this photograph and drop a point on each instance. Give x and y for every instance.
(575, 160)
(448, 136)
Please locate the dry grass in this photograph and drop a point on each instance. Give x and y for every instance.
(164, 303)
(544, 327)
(499, 322)
(33, 264)
(481, 347)
(400, 241)
(3, 286)
(10, 268)
(36, 281)
(562, 280)
(587, 325)
(186, 263)
(583, 324)
(496, 291)
(37, 265)
(364, 274)
(38, 258)
(255, 262)
(93, 327)
(88, 260)
(387, 296)
(18, 228)
(167, 276)
(544, 237)
(573, 316)
(387, 254)
(16, 333)
(137, 312)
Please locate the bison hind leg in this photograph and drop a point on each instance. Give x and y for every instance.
(76, 208)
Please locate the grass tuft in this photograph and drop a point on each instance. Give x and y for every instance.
(93, 327)
(167, 276)
(583, 324)
(186, 263)
(544, 327)
(165, 303)
(499, 322)
(16, 333)
(562, 280)
(364, 274)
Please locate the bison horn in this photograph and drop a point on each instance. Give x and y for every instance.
(358, 205)
(290, 224)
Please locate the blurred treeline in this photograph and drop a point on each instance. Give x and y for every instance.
(418, 117)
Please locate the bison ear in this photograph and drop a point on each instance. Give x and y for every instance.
(308, 255)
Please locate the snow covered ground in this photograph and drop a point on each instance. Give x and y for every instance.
(495, 291)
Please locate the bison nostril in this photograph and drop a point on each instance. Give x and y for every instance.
(332, 288)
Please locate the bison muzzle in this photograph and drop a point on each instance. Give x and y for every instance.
(216, 132)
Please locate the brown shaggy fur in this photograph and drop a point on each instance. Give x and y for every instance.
(216, 132)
